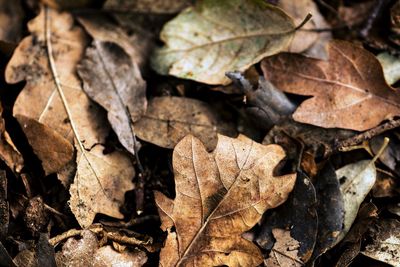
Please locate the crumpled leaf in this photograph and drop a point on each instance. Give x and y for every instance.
(311, 43)
(112, 80)
(356, 180)
(169, 119)
(345, 88)
(385, 245)
(100, 185)
(391, 67)
(219, 196)
(299, 215)
(8, 152)
(147, 6)
(205, 41)
(284, 252)
(86, 252)
(30, 62)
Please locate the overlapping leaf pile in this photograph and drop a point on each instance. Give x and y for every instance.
(199, 133)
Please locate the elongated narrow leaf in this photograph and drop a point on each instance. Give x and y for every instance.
(214, 37)
(219, 196)
(114, 81)
(47, 60)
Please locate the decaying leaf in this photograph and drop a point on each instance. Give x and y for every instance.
(8, 152)
(385, 245)
(345, 88)
(86, 252)
(169, 119)
(147, 6)
(284, 252)
(356, 180)
(299, 215)
(137, 44)
(219, 196)
(112, 80)
(391, 67)
(312, 43)
(100, 185)
(266, 104)
(205, 41)
(47, 60)
(54, 151)
(330, 210)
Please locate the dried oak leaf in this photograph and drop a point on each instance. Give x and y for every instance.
(169, 119)
(345, 88)
(47, 60)
(213, 37)
(112, 80)
(284, 252)
(219, 195)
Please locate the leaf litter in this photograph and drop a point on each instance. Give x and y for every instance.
(199, 133)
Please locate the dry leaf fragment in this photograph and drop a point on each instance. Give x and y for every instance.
(391, 67)
(205, 41)
(284, 252)
(100, 185)
(312, 43)
(169, 119)
(385, 246)
(345, 88)
(51, 148)
(112, 80)
(219, 196)
(106, 256)
(8, 152)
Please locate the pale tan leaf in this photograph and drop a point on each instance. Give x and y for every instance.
(345, 88)
(169, 119)
(219, 196)
(100, 184)
(391, 67)
(53, 96)
(284, 251)
(106, 256)
(205, 41)
(356, 180)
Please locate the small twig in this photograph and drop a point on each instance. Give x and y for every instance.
(376, 11)
(73, 232)
(367, 135)
(305, 20)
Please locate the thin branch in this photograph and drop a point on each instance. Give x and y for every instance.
(367, 135)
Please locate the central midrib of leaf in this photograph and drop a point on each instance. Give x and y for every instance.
(231, 39)
(210, 217)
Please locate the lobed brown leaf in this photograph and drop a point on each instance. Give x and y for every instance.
(219, 196)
